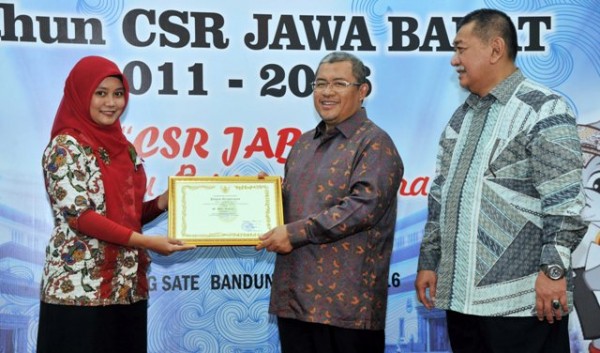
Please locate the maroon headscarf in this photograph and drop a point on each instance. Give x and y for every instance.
(124, 184)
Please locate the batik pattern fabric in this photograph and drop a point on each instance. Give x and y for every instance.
(506, 198)
(79, 269)
(340, 199)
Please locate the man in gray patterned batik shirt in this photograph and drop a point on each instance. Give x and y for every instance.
(504, 206)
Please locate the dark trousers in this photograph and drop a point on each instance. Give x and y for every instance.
(473, 334)
(306, 337)
(93, 329)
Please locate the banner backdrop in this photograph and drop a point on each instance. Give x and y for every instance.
(224, 87)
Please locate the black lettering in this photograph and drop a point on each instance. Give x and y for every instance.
(185, 282)
(323, 39)
(179, 31)
(236, 281)
(61, 29)
(248, 283)
(286, 29)
(405, 38)
(166, 283)
(226, 283)
(61, 32)
(404, 27)
(215, 282)
(95, 27)
(202, 29)
(177, 283)
(10, 22)
(269, 281)
(130, 25)
(145, 80)
(151, 283)
(535, 31)
(262, 33)
(358, 30)
(436, 31)
(194, 282)
(456, 21)
(241, 281)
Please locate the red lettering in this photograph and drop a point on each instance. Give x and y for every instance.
(417, 187)
(150, 136)
(147, 140)
(260, 143)
(187, 170)
(149, 186)
(287, 138)
(173, 145)
(197, 146)
(237, 133)
(170, 136)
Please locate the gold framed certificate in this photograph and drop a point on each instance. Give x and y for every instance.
(223, 210)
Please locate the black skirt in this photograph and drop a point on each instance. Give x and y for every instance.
(101, 329)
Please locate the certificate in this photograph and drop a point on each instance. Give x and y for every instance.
(223, 210)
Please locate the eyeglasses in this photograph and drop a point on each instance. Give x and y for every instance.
(336, 86)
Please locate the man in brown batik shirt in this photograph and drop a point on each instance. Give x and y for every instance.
(340, 197)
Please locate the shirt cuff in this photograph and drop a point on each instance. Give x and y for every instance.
(427, 262)
(297, 233)
(556, 254)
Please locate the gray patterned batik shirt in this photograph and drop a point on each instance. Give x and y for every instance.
(506, 198)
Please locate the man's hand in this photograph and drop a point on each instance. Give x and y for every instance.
(426, 279)
(547, 290)
(276, 240)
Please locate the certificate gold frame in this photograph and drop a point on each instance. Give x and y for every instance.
(221, 210)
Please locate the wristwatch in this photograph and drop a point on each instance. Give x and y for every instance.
(553, 271)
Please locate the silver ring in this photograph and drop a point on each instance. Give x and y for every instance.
(555, 304)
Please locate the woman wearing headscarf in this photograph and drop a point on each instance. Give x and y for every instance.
(94, 288)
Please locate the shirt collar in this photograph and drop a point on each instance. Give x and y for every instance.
(346, 127)
(502, 92)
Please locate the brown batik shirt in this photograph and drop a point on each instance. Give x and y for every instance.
(340, 199)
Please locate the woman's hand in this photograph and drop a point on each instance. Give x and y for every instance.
(159, 244)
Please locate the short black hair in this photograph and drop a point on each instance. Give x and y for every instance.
(492, 22)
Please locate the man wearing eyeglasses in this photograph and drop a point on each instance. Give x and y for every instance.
(340, 191)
